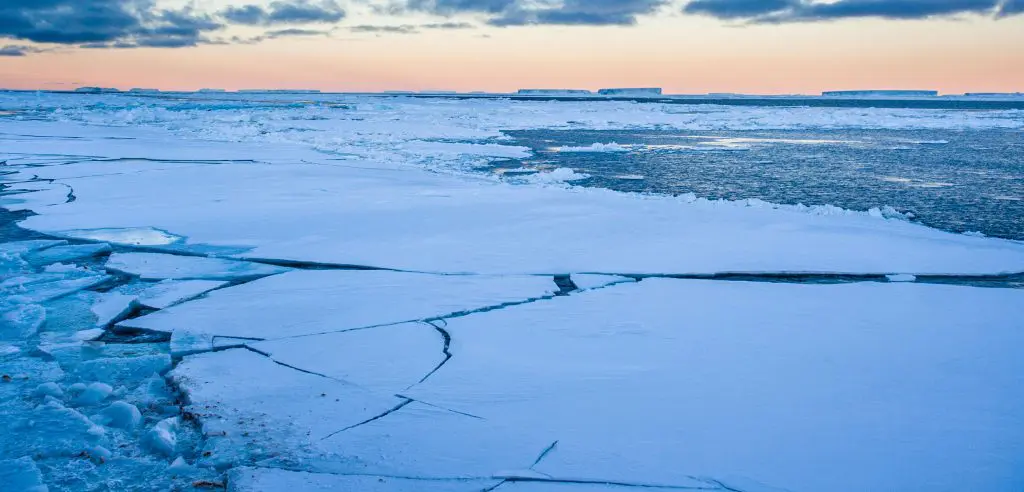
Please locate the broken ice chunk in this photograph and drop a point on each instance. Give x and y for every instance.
(24, 247)
(159, 266)
(22, 322)
(112, 306)
(21, 475)
(167, 293)
(120, 414)
(60, 254)
(134, 236)
(49, 389)
(49, 430)
(91, 394)
(163, 438)
(902, 277)
(37, 292)
(122, 369)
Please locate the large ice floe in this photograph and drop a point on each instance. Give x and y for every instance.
(220, 292)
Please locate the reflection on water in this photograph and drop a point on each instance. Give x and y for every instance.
(955, 180)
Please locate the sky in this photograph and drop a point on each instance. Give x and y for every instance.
(683, 46)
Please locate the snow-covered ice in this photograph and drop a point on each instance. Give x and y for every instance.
(730, 379)
(167, 293)
(312, 302)
(467, 360)
(159, 266)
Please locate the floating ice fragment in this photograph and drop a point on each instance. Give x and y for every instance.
(49, 430)
(597, 147)
(120, 369)
(120, 414)
(159, 266)
(170, 292)
(21, 475)
(163, 438)
(111, 306)
(902, 277)
(133, 236)
(24, 247)
(38, 292)
(75, 252)
(92, 394)
(49, 389)
(21, 322)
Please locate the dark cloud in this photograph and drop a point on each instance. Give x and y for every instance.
(738, 9)
(282, 12)
(283, 33)
(807, 10)
(102, 22)
(528, 12)
(1011, 7)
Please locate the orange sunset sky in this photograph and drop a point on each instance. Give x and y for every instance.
(953, 46)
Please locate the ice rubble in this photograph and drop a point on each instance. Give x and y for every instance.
(597, 147)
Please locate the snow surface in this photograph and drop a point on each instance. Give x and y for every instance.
(302, 303)
(463, 366)
(409, 219)
(167, 293)
(158, 266)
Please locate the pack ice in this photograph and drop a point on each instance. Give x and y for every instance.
(217, 292)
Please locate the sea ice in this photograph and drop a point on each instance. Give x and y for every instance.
(386, 358)
(120, 369)
(311, 302)
(21, 475)
(597, 147)
(120, 415)
(252, 407)
(417, 221)
(30, 246)
(111, 306)
(167, 293)
(246, 479)
(21, 322)
(49, 430)
(59, 254)
(160, 266)
(588, 281)
(799, 387)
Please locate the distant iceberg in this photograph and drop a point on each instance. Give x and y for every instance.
(553, 92)
(878, 93)
(96, 90)
(212, 90)
(631, 91)
(138, 90)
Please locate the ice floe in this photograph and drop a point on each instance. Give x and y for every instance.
(160, 266)
(727, 376)
(167, 293)
(312, 302)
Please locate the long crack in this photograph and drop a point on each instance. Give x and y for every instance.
(394, 409)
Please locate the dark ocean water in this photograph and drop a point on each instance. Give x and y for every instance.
(954, 180)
